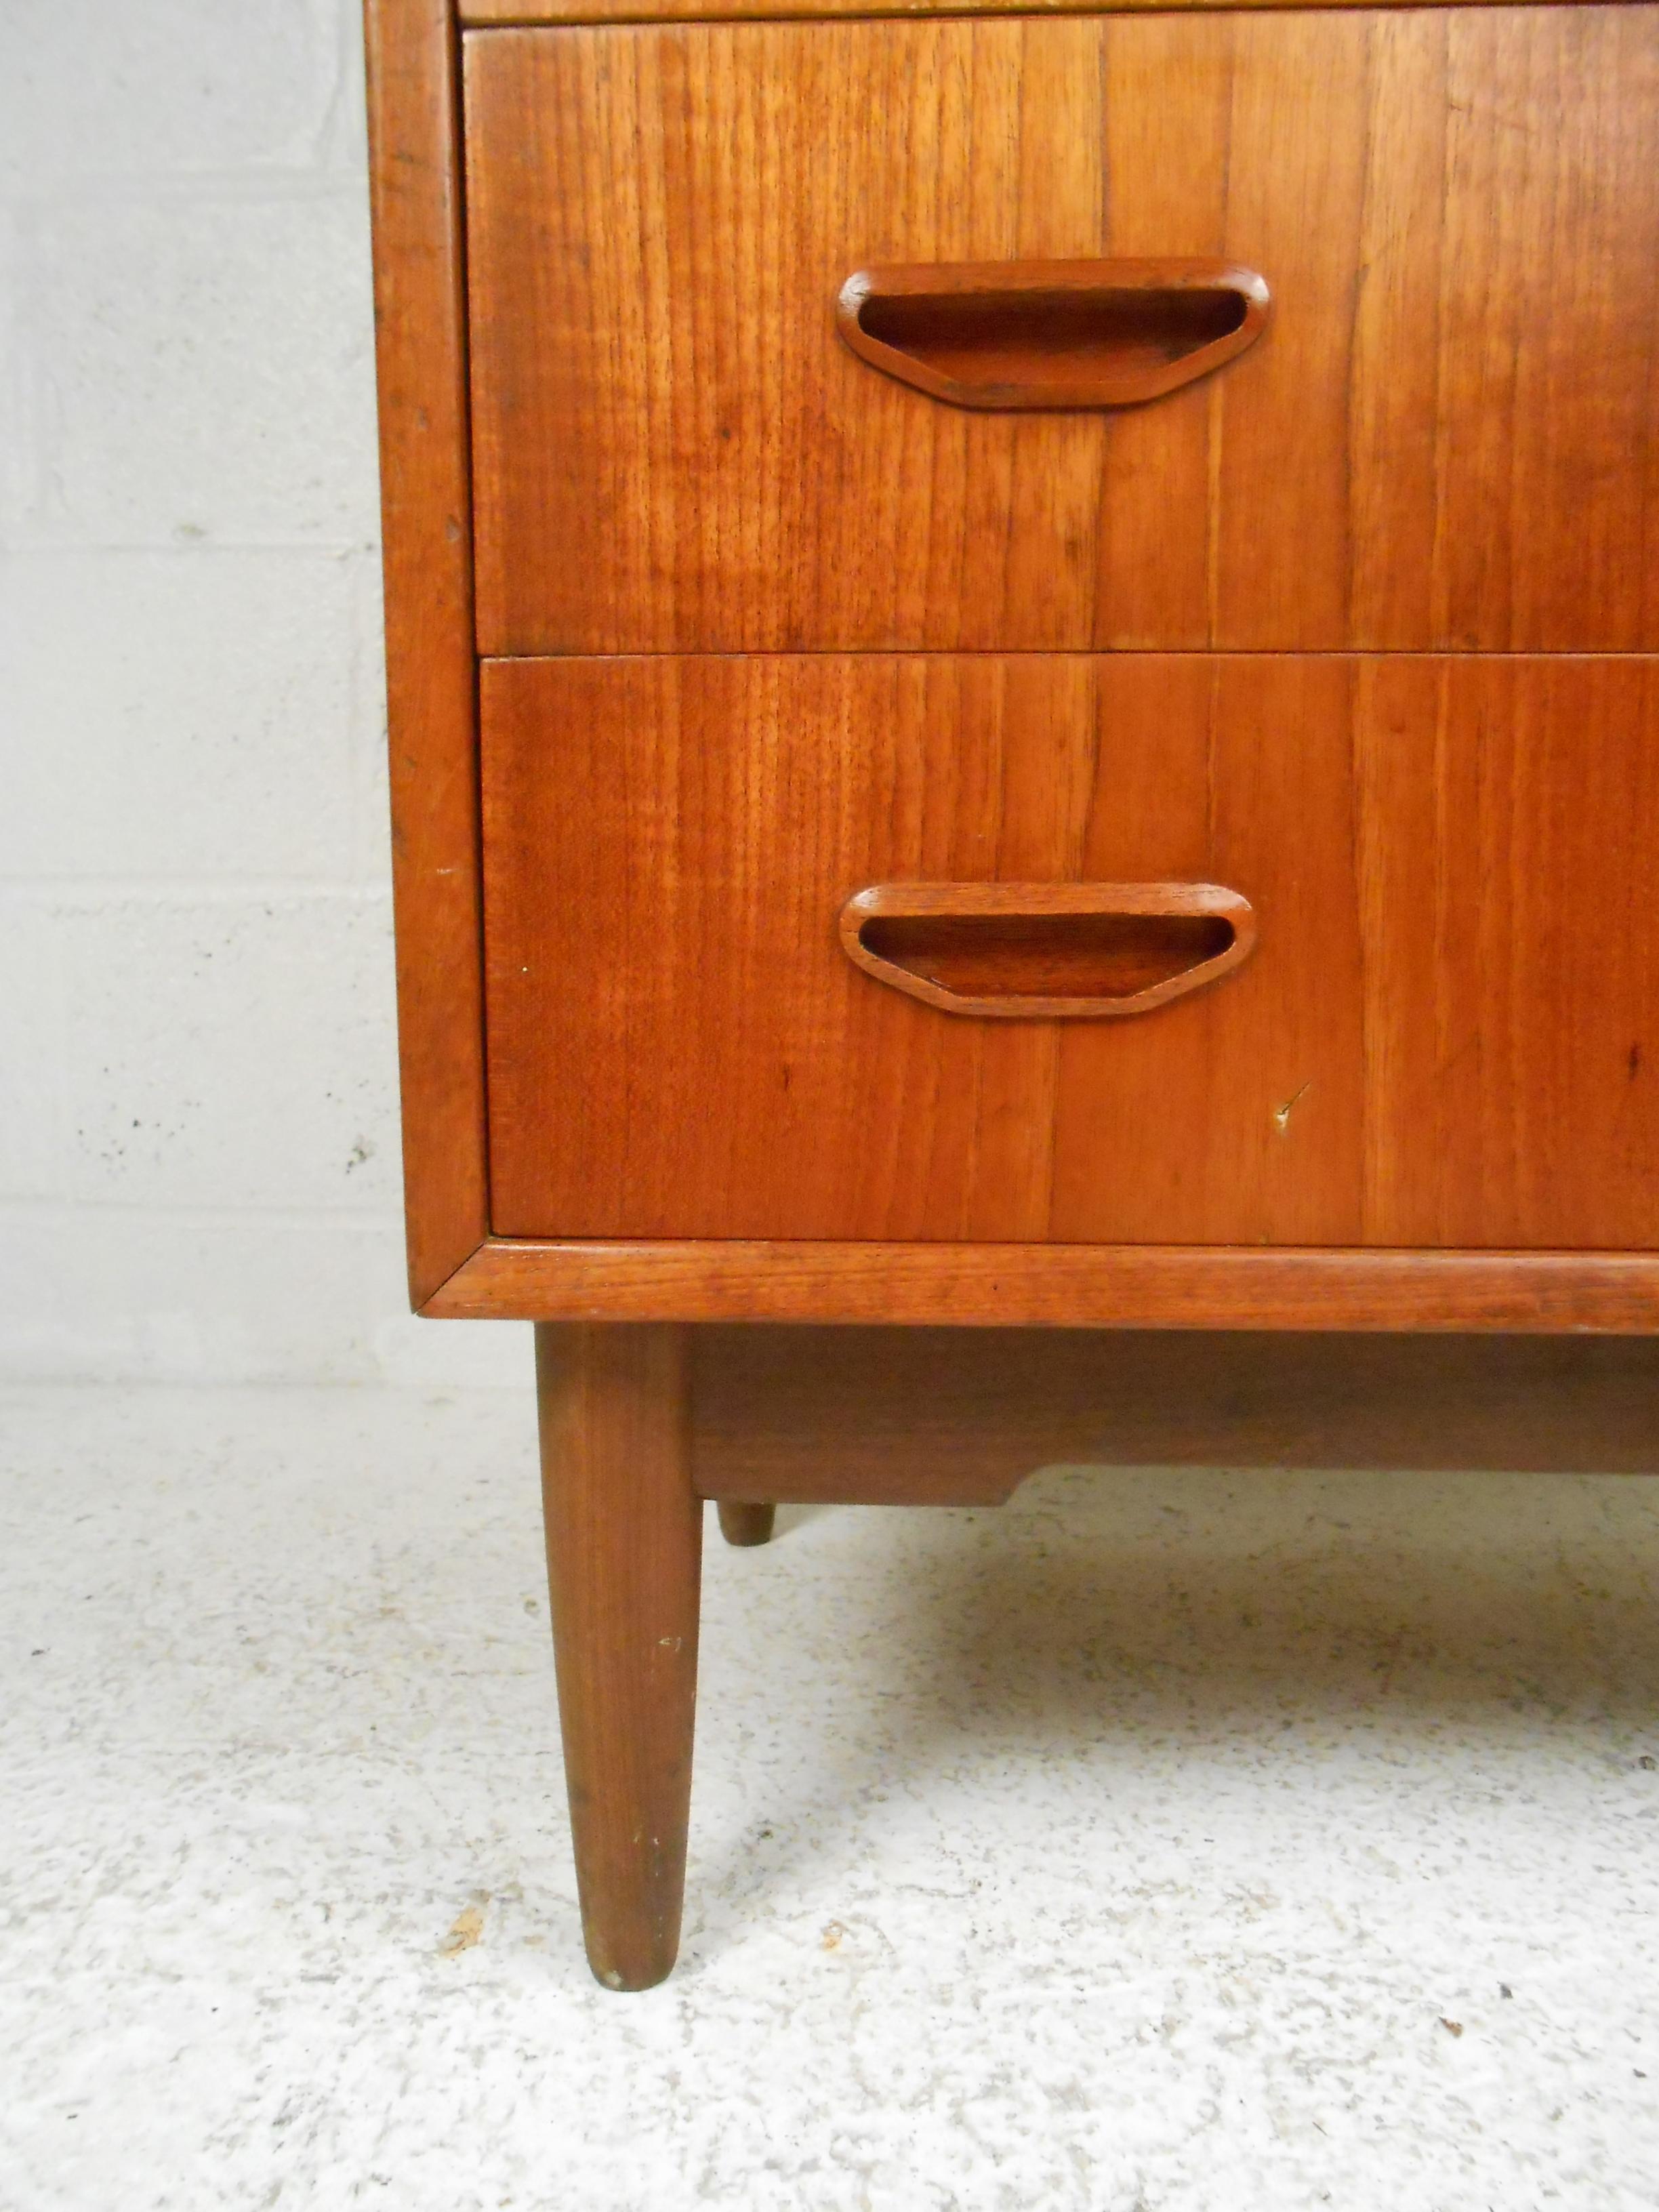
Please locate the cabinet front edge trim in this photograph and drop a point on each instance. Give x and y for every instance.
(1063, 1285)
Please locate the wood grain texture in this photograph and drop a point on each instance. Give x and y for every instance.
(959, 1417)
(481, 13)
(1444, 1033)
(1444, 439)
(1508, 826)
(419, 312)
(1060, 1286)
(625, 1538)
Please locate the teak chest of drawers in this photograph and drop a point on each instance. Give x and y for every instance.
(1024, 663)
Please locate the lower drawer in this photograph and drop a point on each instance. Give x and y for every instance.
(1444, 1033)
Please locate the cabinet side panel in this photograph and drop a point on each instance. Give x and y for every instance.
(431, 673)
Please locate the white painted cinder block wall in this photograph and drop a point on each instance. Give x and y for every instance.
(198, 1144)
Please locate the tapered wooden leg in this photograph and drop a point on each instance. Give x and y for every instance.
(624, 1546)
(746, 1524)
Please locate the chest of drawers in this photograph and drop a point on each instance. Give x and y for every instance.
(1024, 668)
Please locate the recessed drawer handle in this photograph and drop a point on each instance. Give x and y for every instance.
(1052, 333)
(1047, 951)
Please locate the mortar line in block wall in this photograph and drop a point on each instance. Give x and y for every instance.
(76, 1212)
(23, 890)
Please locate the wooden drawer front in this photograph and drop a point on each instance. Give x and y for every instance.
(1443, 439)
(1442, 1036)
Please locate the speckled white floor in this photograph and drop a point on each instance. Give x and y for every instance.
(1169, 1840)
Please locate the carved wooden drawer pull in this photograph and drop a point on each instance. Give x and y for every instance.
(1052, 333)
(1047, 951)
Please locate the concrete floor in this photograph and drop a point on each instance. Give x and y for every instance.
(1168, 1840)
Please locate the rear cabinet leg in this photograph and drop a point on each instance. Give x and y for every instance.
(742, 1523)
(625, 1536)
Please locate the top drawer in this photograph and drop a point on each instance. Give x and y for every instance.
(1445, 438)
